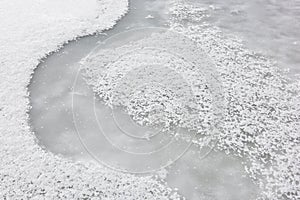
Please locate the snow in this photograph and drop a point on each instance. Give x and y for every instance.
(261, 119)
(262, 116)
(173, 89)
(149, 17)
(30, 30)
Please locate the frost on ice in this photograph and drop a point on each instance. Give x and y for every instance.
(261, 116)
(30, 30)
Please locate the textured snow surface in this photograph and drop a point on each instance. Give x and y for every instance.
(262, 118)
(30, 30)
(156, 81)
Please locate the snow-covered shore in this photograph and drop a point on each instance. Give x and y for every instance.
(30, 30)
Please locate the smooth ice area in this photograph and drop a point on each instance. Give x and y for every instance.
(217, 176)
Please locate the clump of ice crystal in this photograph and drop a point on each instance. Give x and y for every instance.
(262, 118)
(156, 79)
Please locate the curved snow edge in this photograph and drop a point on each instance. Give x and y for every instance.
(32, 30)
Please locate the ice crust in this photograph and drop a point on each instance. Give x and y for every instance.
(261, 119)
(262, 115)
(156, 82)
(31, 30)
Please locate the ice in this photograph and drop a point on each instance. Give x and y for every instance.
(53, 123)
(262, 127)
(30, 31)
(217, 176)
(265, 26)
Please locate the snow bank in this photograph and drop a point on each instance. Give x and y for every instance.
(30, 30)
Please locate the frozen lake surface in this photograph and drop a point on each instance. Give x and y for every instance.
(269, 26)
(217, 176)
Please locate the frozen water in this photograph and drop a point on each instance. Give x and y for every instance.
(51, 113)
(215, 177)
(270, 26)
(218, 176)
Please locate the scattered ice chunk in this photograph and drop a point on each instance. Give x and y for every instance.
(149, 17)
